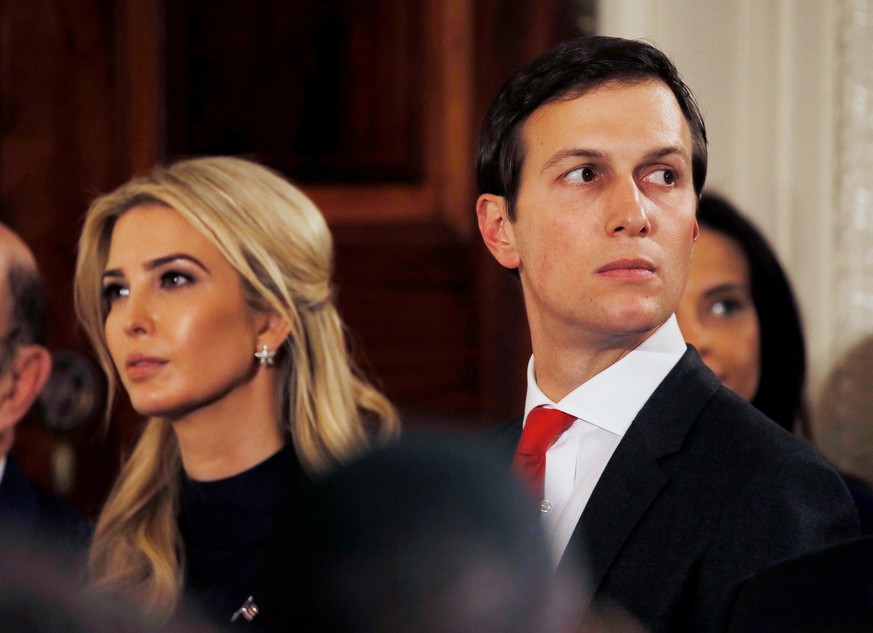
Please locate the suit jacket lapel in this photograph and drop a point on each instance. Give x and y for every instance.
(633, 477)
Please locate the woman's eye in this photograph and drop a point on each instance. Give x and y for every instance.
(664, 177)
(581, 174)
(114, 291)
(726, 307)
(175, 279)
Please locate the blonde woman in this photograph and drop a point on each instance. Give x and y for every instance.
(205, 289)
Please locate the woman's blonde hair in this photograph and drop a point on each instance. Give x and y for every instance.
(278, 242)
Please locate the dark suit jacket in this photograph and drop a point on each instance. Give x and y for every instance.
(702, 491)
(33, 513)
(828, 590)
(863, 496)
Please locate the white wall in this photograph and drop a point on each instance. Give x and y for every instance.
(764, 74)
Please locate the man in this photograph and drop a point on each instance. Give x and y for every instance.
(25, 366)
(590, 163)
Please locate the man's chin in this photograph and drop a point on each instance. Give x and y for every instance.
(637, 322)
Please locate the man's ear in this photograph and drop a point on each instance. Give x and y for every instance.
(23, 382)
(496, 229)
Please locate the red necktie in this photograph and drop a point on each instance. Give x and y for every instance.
(542, 429)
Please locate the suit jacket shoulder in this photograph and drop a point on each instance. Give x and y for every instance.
(827, 589)
(703, 491)
(35, 513)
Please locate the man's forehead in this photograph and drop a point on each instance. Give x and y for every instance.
(13, 250)
(13, 253)
(613, 90)
(642, 110)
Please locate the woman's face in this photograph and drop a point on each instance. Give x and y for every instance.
(717, 314)
(178, 327)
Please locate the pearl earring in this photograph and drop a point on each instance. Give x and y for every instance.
(265, 356)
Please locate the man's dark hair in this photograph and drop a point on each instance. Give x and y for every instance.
(780, 392)
(566, 72)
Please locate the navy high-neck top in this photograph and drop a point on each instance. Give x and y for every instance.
(226, 526)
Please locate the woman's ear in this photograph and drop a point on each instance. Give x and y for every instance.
(496, 229)
(273, 329)
(23, 382)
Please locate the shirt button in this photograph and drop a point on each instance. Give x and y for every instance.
(545, 506)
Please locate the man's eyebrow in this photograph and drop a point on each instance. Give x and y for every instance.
(158, 262)
(576, 152)
(669, 150)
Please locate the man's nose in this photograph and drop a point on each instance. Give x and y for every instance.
(627, 210)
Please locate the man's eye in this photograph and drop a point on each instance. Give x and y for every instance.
(581, 174)
(662, 177)
(114, 291)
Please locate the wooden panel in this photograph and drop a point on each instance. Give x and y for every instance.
(139, 125)
(374, 204)
(452, 129)
(324, 91)
(407, 293)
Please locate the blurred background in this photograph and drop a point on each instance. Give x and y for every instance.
(372, 106)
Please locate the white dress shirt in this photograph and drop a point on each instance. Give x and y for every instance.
(2, 467)
(604, 407)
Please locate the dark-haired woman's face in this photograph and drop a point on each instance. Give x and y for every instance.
(717, 314)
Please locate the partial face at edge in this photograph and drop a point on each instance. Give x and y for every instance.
(606, 212)
(717, 314)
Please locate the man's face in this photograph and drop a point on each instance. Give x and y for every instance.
(606, 213)
(7, 354)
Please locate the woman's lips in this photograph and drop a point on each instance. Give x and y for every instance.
(142, 367)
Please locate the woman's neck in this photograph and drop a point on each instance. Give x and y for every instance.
(230, 435)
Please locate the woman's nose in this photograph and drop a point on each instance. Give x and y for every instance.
(138, 317)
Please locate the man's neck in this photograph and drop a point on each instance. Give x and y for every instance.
(561, 367)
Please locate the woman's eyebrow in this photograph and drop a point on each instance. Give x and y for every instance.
(728, 286)
(167, 259)
(158, 262)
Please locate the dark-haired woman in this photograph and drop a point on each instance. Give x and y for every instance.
(739, 311)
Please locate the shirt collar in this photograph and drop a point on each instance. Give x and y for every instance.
(612, 398)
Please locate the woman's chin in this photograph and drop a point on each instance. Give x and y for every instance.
(155, 409)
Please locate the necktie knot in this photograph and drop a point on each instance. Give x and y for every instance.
(542, 428)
